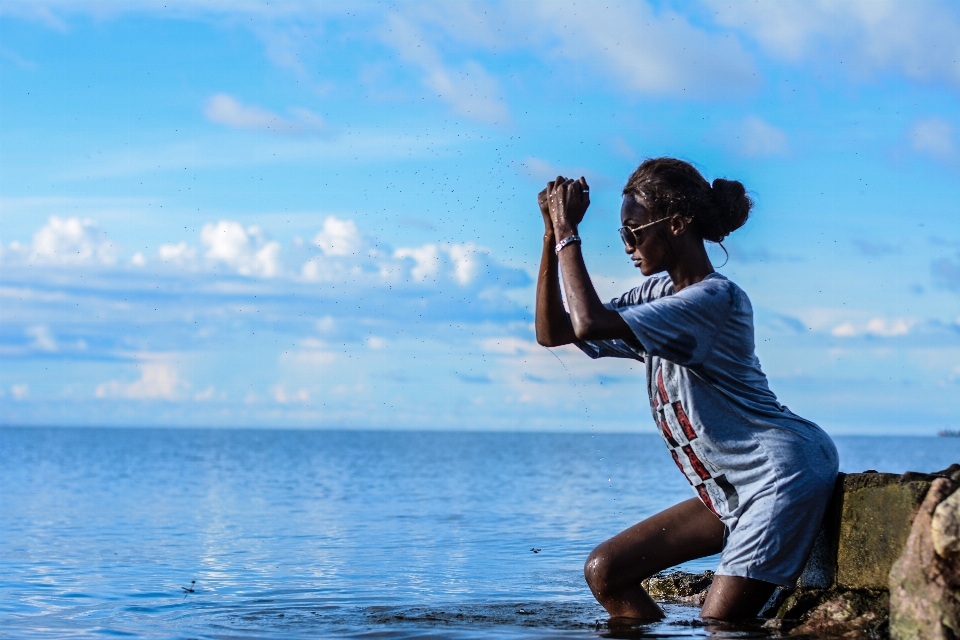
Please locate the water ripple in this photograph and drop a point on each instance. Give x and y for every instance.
(267, 534)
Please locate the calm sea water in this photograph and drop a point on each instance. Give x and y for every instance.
(283, 534)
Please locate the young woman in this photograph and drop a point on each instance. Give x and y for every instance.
(763, 475)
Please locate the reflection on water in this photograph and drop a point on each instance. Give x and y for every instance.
(354, 534)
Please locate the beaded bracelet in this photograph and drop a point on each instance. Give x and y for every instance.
(565, 242)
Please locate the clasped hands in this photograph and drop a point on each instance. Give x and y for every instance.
(563, 204)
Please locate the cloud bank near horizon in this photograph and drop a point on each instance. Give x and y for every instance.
(320, 215)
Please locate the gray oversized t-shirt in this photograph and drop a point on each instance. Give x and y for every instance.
(723, 425)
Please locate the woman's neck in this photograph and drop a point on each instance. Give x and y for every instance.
(692, 265)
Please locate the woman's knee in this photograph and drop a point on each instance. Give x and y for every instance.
(602, 571)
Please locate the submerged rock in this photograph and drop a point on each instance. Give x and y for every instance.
(679, 587)
(834, 613)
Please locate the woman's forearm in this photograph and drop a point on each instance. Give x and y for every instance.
(552, 322)
(589, 319)
(567, 202)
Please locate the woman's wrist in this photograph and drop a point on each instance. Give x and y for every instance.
(564, 232)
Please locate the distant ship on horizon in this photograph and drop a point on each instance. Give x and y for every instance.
(949, 433)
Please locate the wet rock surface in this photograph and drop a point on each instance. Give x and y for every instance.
(878, 526)
(925, 581)
(679, 587)
(833, 613)
(876, 514)
(945, 527)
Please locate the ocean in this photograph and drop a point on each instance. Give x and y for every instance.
(232, 533)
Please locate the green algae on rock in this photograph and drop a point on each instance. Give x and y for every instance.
(679, 587)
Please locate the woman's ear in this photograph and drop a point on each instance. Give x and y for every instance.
(678, 225)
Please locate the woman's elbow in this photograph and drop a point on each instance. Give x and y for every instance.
(596, 326)
(584, 328)
(550, 341)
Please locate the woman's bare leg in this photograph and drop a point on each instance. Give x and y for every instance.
(615, 568)
(734, 598)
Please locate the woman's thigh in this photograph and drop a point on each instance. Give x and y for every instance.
(683, 532)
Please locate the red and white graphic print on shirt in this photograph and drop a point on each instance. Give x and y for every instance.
(681, 438)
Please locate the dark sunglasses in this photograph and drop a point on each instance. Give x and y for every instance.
(629, 234)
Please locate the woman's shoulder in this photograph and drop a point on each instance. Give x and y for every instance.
(650, 289)
(719, 294)
(716, 289)
(717, 284)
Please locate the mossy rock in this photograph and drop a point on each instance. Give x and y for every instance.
(876, 516)
(865, 529)
(679, 586)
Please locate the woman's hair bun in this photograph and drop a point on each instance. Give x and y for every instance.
(669, 187)
(733, 207)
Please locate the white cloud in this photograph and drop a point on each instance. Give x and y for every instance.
(933, 137)
(68, 241)
(845, 330)
(245, 250)
(376, 343)
(640, 48)
(469, 89)
(427, 261)
(206, 394)
(465, 264)
(20, 391)
(346, 258)
(920, 40)
(36, 12)
(227, 110)
(338, 237)
(890, 328)
(879, 327)
(542, 171)
(753, 137)
(310, 358)
(530, 371)
(646, 50)
(138, 260)
(17, 59)
(510, 345)
(281, 395)
(178, 254)
(324, 269)
(158, 381)
(326, 324)
(43, 340)
(539, 169)
(311, 354)
(468, 261)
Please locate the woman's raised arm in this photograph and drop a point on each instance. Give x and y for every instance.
(568, 201)
(553, 323)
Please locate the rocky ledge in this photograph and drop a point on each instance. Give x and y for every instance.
(885, 565)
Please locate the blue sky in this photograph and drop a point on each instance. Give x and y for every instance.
(324, 214)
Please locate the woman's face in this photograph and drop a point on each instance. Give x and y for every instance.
(650, 253)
